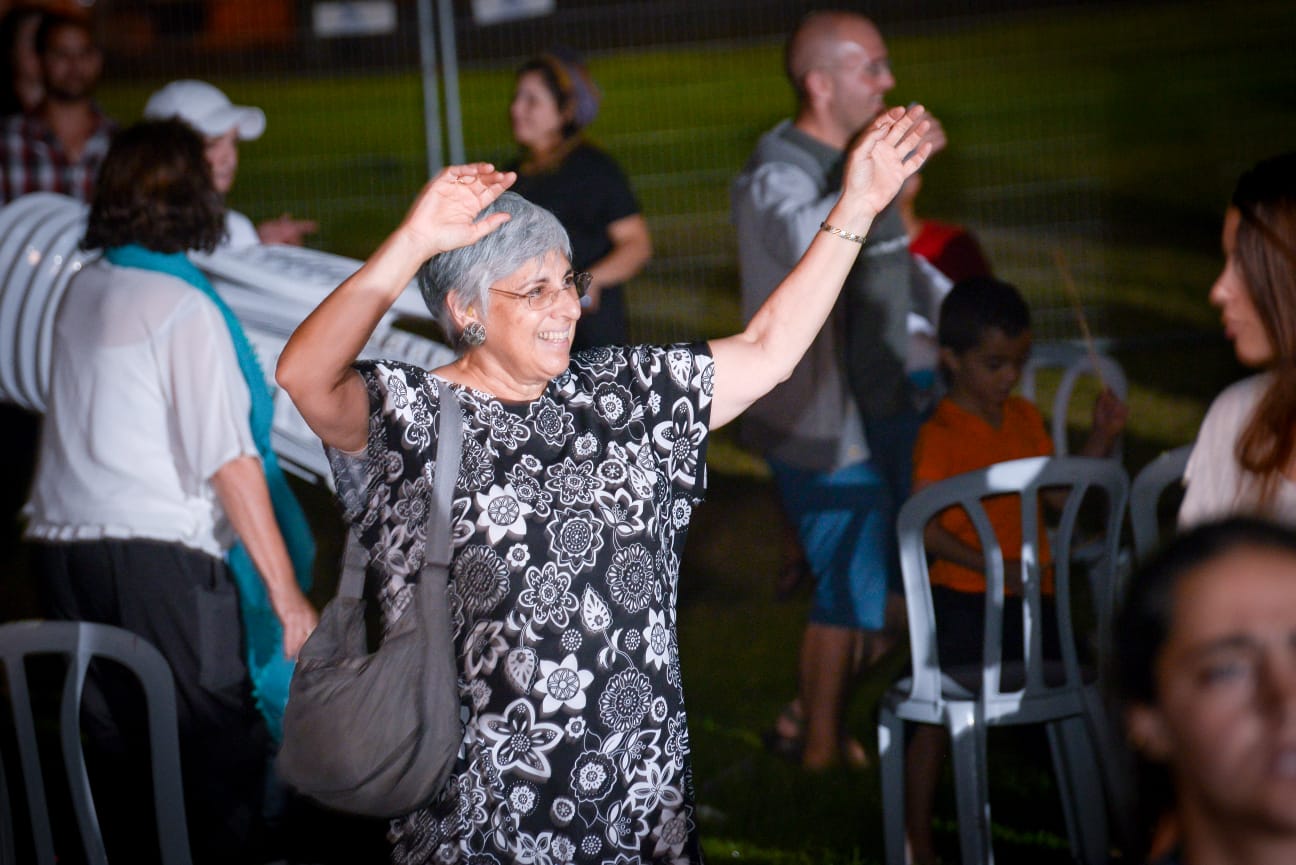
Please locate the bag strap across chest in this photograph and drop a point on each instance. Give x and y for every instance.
(437, 551)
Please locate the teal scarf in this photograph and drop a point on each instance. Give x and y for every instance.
(269, 669)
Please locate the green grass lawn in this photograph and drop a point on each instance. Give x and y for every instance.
(1112, 132)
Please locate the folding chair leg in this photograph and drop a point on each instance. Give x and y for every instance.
(972, 793)
(1117, 770)
(7, 854)
(74, 765)
(1080, 784)
(891, 755)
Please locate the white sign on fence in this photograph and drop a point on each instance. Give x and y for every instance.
(359, 18)
(495, 11)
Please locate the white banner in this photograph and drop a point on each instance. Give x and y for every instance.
(360, 18)
(496, 11)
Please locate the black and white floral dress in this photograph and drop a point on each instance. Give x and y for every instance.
(570, 514)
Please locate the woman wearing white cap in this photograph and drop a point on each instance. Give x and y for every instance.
(223, 125)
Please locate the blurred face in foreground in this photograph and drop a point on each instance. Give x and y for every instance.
(1225, 715)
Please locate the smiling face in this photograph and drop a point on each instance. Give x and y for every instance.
(536, 117)
(525, 348)
(1225, 715)
(1242, 323)
(984, 376)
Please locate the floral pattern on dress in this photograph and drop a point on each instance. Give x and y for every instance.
(568, 520)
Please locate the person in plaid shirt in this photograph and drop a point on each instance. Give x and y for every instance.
(58, 146)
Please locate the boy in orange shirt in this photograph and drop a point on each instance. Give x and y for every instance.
(985, 341)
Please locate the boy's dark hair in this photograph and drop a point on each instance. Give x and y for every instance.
(975, 305)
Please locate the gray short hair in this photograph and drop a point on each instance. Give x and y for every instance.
(531, 233)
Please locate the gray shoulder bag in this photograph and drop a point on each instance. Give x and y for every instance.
(378, 733)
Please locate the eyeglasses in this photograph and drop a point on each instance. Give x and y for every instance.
(874, 68)
(878, 68)
(544, 296)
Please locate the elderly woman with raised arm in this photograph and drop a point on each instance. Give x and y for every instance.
(573, 497)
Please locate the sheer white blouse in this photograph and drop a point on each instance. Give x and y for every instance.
(146, 403)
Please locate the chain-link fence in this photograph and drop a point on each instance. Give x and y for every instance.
(1093, 137)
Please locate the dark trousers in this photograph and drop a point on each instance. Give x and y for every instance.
(960, 627)
(185, 604)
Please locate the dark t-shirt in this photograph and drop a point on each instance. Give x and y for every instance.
(587, 191)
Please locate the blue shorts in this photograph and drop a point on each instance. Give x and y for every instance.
(846, 523)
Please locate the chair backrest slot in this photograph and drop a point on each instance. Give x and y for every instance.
(1028, 480)
(1074, 362)
(1145, 497)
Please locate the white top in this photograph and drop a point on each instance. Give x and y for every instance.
(239, 231)
(1217, 484)
(146, 402)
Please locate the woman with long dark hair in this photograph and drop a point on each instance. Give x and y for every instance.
(1245, 456)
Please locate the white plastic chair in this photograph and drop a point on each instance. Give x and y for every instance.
(80, 643)
(966, 698)
(1075, 362)
(1145, 497)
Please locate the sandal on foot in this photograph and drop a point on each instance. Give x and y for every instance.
(787, 747)
(785, 740)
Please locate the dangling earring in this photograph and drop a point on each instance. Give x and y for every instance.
(474, 334)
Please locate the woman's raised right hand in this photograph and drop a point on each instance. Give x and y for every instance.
(444, 216)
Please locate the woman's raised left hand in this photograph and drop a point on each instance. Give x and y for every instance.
(894, 146)
(444, 216)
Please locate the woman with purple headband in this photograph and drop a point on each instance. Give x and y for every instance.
(553, 101)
